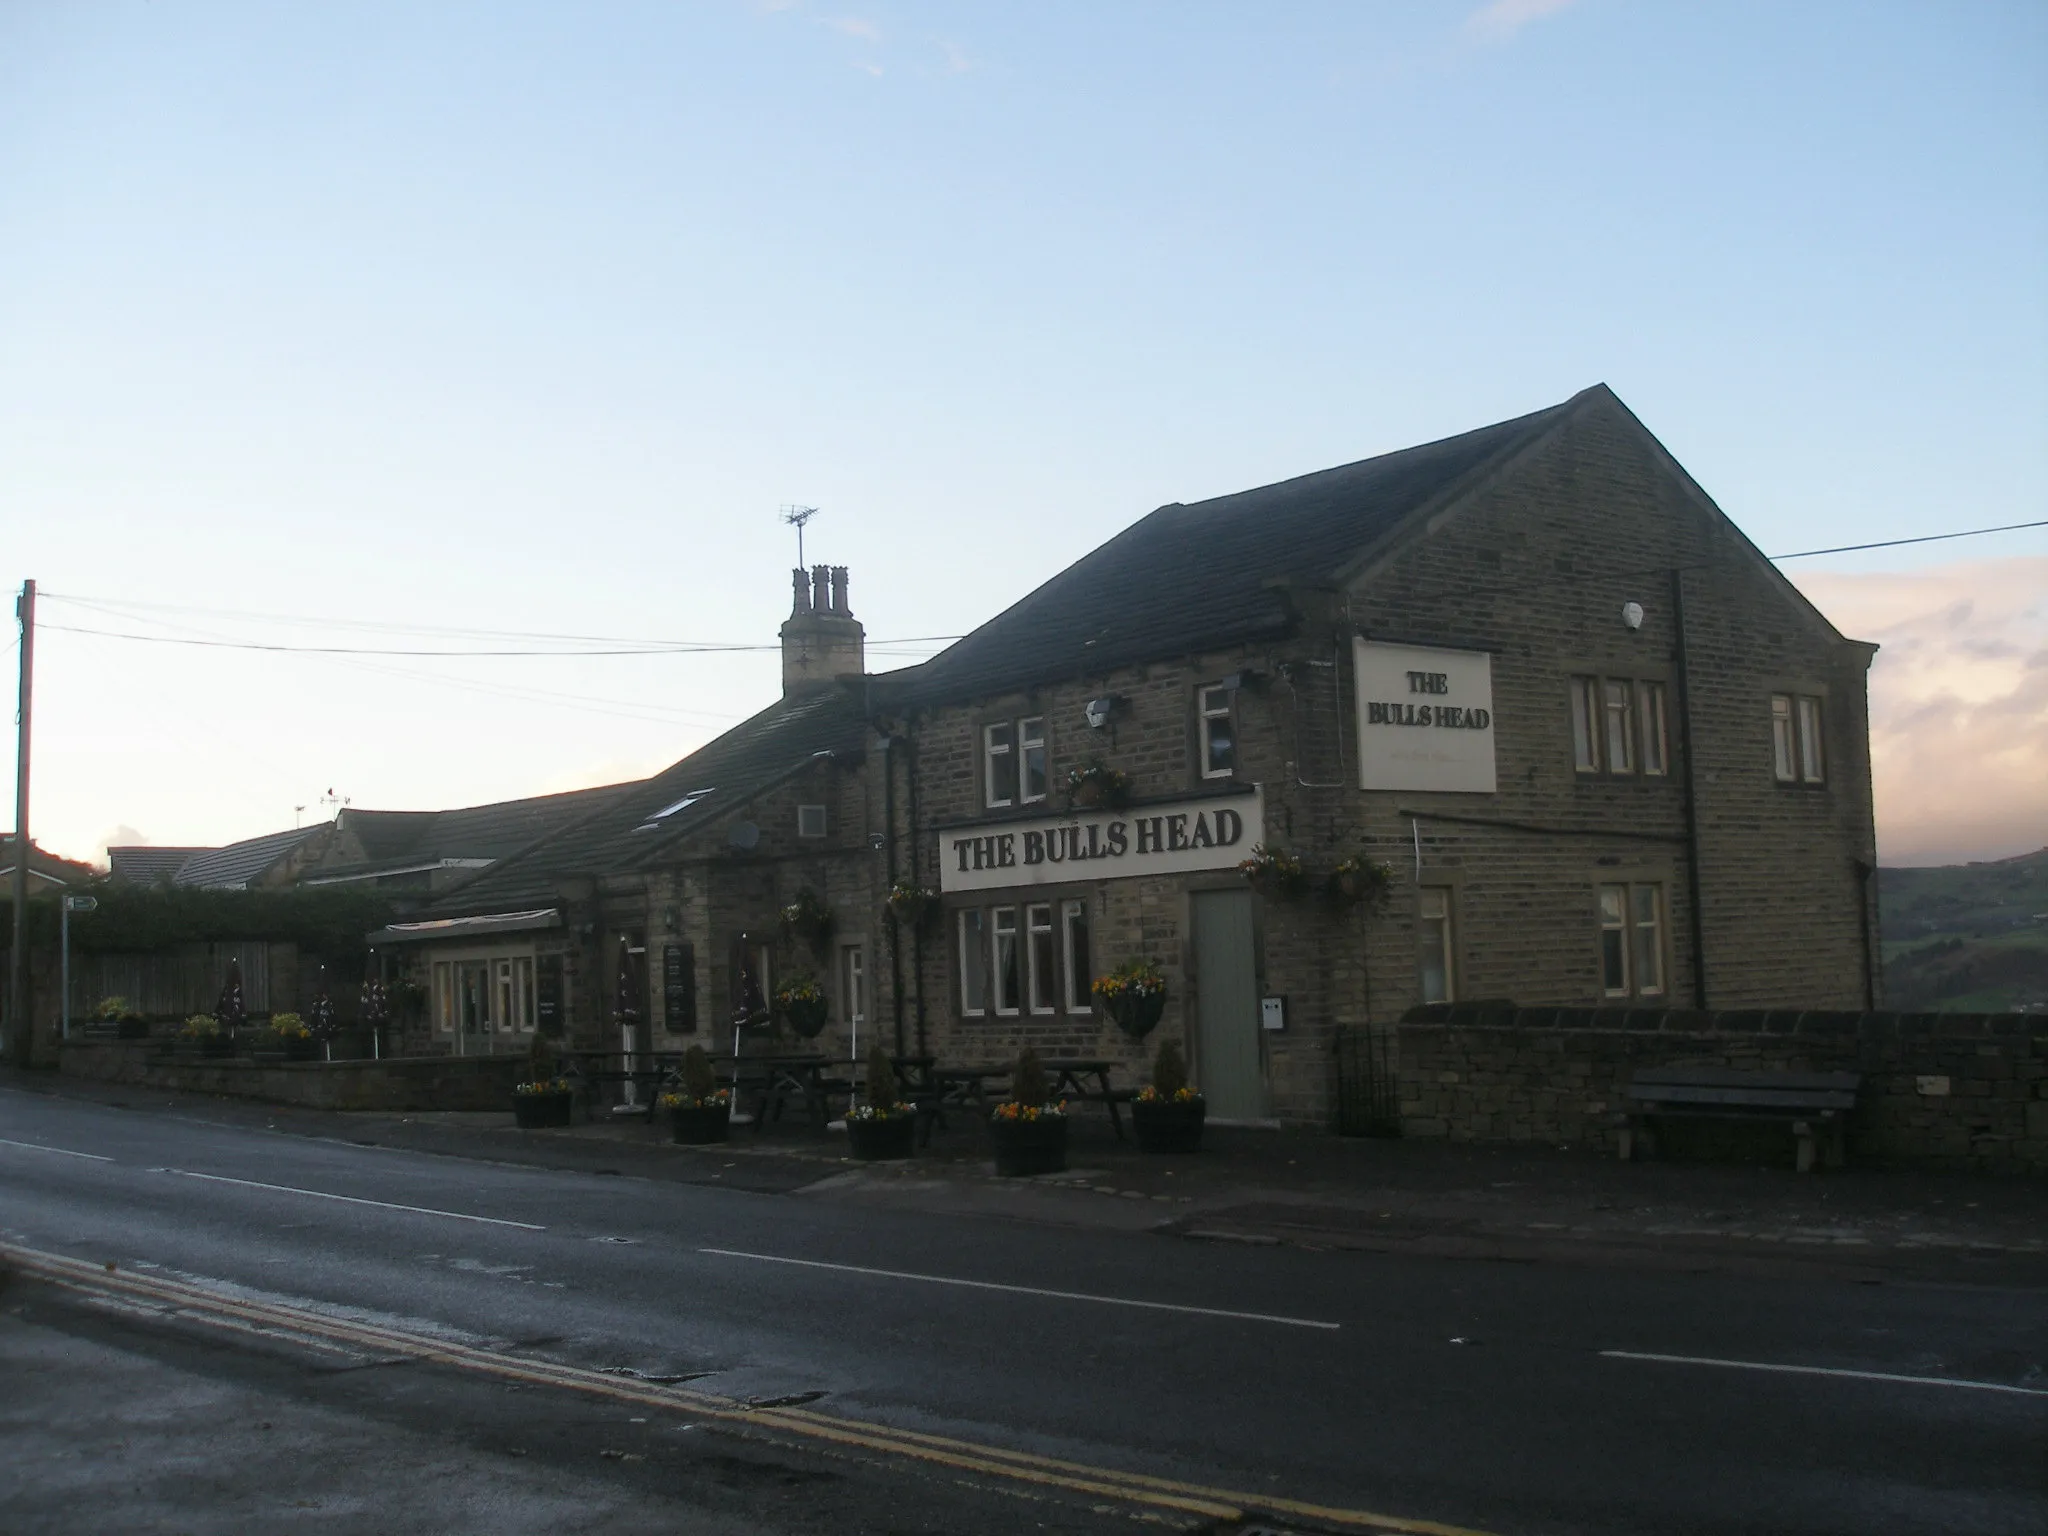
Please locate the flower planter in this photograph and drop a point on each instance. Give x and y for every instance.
(1091, 794)
(1026, 1147)
(302, 1050)
(807, 1019)
(1136, 1015)
(885, 1140)
(132, 1029)
(539, 1111)
(207, 1047)
(1168, 1125)
(699, 1125)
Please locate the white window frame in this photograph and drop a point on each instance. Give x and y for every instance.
(1436, 929)
(1614, 931)
(999, 764)
(1078, 968)
(1811, 734)
(810, 821)
(1587, 724)
(508, 993)
(1042, 990)
(1651, 716)
(1004, 937)
(1208, 711)
(974, 956)
(1784, 740)
(1030, 739)
(1635, 926)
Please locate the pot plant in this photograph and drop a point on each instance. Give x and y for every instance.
(1095, 785)
(802, 1003)
(1134, 996)
(881, 1127)
(808, 918)
(545, 1099)
(1274, 872)
(1029, 1131)
(1358, 881)
(1168, 1112)
(127, 1023)
(699, 1111)
(202, 1034)
(910, 904)
(293, 1037)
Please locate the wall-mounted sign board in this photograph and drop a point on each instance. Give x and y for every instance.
(1177, 838)
(1425, 718)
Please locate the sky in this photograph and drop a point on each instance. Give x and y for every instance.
(432, 328)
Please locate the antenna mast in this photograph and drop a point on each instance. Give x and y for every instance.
(796, 517)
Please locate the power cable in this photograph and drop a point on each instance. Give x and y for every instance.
(1925, 538)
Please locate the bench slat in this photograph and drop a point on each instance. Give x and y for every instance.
(1736, 1077)
(1757, 1098)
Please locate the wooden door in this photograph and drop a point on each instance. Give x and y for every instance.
(1227, 1058)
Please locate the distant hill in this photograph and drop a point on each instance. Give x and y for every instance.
(1966, 938)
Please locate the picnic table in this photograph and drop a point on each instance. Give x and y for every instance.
(633, 1069)
(1067, 1077)
(774, 1076)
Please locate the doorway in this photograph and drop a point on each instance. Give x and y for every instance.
(1227, 1006)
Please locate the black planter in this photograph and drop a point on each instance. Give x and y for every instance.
(1137, 1016)
(302, 1050)
(131, 1029)
(539, 1111)
(210, 1045)
(875, 1141)
(1025, 1147)
(807, 1019)
(1168, 1125)
(699, 1125)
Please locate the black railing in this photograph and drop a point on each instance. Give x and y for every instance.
(1368, 1095)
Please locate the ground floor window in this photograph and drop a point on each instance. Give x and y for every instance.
(1632, 940)
(1433, 924)
(483, 995)
(1033, 958)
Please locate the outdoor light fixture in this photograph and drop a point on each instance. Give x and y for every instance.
(1098, 712)
(1632, 615)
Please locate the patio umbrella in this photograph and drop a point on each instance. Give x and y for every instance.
(320, 1016)
(375, 1010)
(229, 1012)
(626, 1013)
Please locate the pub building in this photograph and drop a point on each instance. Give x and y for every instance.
(1603, 752)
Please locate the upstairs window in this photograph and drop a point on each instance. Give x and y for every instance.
(1619, 727)
(1798, 755)
(1632, 941)
(810, 821)
(1013, 762)
(1218, 732)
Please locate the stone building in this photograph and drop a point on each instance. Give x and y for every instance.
(1599, 751)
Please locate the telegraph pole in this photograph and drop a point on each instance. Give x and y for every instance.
(19, 1031)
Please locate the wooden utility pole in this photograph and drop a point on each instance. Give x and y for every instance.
(19, 1031)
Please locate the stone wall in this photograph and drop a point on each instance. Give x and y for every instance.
(397, 1082)
(1939, 1090)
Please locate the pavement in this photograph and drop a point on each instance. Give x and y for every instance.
(1515, 1203)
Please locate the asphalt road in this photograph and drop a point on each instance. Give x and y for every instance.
(1509, 1398)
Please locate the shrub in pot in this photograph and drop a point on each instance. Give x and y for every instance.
(1029, 1131)
(202, 1033)
(699, 1111)
(881, 1126)
(546, 1098)
(292, 1036)
(1168, 1111)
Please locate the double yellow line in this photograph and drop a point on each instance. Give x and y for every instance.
(1133, 1488)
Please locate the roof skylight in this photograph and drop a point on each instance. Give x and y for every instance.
(669, 810)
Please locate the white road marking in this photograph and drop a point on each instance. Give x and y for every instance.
(1825, 1370)
(60, 1151)
(321, 1194)
(1028, 1290)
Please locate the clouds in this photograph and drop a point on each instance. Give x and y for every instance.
(1500, 20)
(1958, 703)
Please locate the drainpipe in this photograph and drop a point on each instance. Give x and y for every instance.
(916, 835)
(1683, 679)
(889, 841)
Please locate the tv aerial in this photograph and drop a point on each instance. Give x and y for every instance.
(796, 517)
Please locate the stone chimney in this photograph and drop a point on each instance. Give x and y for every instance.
(821, 639)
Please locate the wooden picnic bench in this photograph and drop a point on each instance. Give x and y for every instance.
(1815, 1104)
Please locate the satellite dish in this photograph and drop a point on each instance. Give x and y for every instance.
(743, 835)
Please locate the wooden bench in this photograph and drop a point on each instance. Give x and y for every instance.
(1815, 1104)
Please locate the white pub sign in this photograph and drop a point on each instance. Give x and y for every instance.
(1425, 718)
(1176, 838)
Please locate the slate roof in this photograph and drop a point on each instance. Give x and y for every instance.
(1200, 576)
(140, 864)
(235, 866)
(747, 759)
(472, 832)
(42, 864)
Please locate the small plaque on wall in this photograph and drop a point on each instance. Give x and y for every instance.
(1272, 1013)
(679, 988)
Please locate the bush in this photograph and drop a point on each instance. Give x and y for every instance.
(1169, 1069)
(1027, 1080)
(541, 1059)
(883, 1095)
(201, 1026)
(699, 1081)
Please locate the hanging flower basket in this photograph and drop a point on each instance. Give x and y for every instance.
(803, 1005)
(1274, 872)
(808, 918)
(911, 904)
(1095, 785)
(1359, 881)
(1134, 997)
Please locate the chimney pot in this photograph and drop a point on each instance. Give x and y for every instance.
(821, 589)
(839, 592)
(802, 603)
